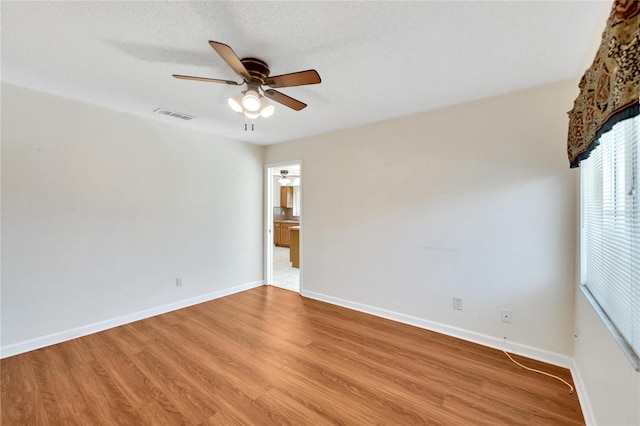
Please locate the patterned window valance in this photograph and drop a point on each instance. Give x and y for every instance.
(610, 88)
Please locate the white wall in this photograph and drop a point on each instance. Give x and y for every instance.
(475, 201)
(276, 191)
(610, 385)
(102, 211)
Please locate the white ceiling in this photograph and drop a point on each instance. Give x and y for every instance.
(377, 60)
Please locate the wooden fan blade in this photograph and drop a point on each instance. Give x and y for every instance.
(284, 99)
(230, 58)
(209, 80)
(299, 78)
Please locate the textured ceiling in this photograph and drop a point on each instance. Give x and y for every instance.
(377, 60)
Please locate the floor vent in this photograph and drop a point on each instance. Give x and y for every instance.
(170, 113)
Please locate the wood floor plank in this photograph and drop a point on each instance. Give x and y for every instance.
(284, 410)
(201, 375)
(234, 407)
(83, 418)
(443, 376)
(268, 356)
(75, 353)
(157, 414)
(358, 390)
(437, 364)
(20, 400)
(539, 418)
(273, 349)
(137, 387)
(25, 409)
(58, 390)
(43, 382)
(540, 401)
(277, 325)
(478, 412)
(103, 398)
(318, 396)
(194, 405)
(237, 367)
(130, 342)
(406, 389)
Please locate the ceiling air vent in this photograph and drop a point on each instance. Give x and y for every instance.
(170, 113)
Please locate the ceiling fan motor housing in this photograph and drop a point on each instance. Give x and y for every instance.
(258, 69)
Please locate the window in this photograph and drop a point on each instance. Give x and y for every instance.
(611, 232)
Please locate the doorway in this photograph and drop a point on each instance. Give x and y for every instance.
(283, 226)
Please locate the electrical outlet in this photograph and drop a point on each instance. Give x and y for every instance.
(506, 316)
(457, 303)
(178, 282)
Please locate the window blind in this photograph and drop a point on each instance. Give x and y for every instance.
(611, 228)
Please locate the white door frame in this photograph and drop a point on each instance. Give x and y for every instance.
(268, 215)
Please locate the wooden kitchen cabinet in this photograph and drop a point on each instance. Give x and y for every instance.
(281, 236)
(294, 253)
(277, 234)
(286, 197)
(285, 237)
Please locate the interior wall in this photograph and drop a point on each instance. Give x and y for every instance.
(474, 201)
(276, 191)
(612, 385)
(102, 211)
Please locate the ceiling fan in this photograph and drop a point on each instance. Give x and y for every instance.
(255, 73)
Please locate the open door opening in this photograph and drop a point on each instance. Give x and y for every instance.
(284, 220)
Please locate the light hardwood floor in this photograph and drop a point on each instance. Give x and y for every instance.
(269, 356)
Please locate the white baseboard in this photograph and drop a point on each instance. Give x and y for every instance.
(583, 396)
(52, 339)
(471, 336)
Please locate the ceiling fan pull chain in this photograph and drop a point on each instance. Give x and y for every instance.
(246, 124)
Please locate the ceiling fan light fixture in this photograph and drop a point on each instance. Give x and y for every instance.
(284, 179)
(236, 103)
(255, 74)
(251, 114)
(267, 109)
(251, 101)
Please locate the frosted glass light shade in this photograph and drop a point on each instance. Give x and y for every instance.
(251, 101)
(236, 103)
(267, 109)
(251, 114)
